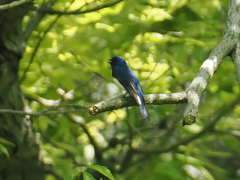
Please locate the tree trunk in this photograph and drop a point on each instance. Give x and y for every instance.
(23, 162)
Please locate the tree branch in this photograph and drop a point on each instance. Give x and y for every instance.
(153, 99)
(14, 4)
(209, 127)
(193, 94)
(36, 49)
(52, 11)
(37, 18)
(38, 44)
(210, 66)
(228, 132)
(236, 60)
(155, 80)
(159, 59)
(40, 113)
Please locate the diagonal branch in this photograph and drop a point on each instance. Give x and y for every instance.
(14, 4)
(155, 80)
(236, 60)
(36, 19)
(38, 45)
(36, 49)
(52, 11)
(46, 9)
(210, 66)
(159, 59)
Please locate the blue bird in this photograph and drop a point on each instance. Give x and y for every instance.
(124, 75)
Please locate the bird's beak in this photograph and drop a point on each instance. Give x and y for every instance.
(109, 61)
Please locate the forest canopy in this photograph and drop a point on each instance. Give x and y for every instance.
(64, 73)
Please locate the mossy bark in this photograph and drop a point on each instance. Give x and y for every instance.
(23, 162)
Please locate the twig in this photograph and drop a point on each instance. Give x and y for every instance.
(36, 19)
(171, 65)
(14, 4)
(64, 105)
(153, 68)
(52, 11)
(38, 44)
(40, 113)
(87, 67)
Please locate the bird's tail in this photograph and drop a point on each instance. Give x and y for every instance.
(141, 102)
(144, 112)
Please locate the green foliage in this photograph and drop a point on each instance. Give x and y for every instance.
(86, 176)
(103, 170)
(175, 34)
(3, 146)
(3, 150)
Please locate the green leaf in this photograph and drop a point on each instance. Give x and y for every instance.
(87, 176)
(65, 146)
(102, 169)
(69, 177)
(7, 143)
(75, 176)
(4, 150)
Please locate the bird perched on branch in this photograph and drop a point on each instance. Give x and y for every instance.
(126, 78)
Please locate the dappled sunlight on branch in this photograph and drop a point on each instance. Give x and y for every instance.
(152, 99)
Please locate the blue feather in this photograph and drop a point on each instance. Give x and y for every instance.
(127, 78)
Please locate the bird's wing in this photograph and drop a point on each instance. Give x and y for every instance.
(129, 81)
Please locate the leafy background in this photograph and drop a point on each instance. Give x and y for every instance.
(67, 64)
